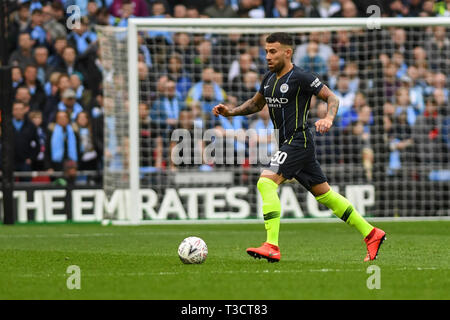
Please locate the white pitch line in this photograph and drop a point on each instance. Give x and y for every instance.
(260, 220)
(168, 273)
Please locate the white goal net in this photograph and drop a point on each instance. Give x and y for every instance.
(388, 150)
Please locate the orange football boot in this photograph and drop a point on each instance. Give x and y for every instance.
(373, 242)
(267, 251)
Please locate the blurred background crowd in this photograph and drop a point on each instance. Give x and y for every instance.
(393, 84)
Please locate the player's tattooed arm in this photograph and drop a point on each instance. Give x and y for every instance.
(324, 125)
(332, 101)
(250, 106)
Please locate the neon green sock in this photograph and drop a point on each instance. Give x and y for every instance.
(271, 208)
(343, 209)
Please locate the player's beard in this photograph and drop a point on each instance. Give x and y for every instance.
(277, 67)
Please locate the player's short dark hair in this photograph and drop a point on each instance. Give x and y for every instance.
(281, 37)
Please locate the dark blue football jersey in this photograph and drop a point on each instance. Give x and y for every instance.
(288, 99)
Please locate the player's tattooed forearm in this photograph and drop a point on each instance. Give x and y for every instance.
(333, 106)
(248, 107)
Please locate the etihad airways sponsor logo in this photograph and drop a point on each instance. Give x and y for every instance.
(276, 102)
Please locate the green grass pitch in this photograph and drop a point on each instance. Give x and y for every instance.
(319, 261)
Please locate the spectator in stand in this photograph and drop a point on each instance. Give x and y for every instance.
(328, 8)
(280, 9)
(398, 9)
(38, 98)
(325, 51)
(51, 86)
(352, 72)
(19, 22)
(427, 9)
(87, 142)
(303, 9)
(158, 11)
(36, 29)
(140, 8)
(203, 57)
(43, 68)
(40, 161)
(81, 38)
(363, 130)
(401, 44)
(348, 9)
(346, 101)
(197, 145)
(55, 60)
(126, 12)
(401, 145)
(441, 102)
(26, 140)
(208, 98)
(220, 9)
(251, 9)
(177, 72)
(239, 67)
(313, 62)
(427, 135)
(333, 71)
(69, 64)
(151, 140)
(402, 67)
(59, 13)
(195, 93)
(246, 86)
(403, 106)
(231, 131)
(416, 88)
(440, 83)
(62, 142)
(92, 9)
(182, 47)
(166, 109)
(57, 88)
(438, 50)
(325, 143)
(23, 55)
(344, 47)
(179, 11)
(144, 52)
(265, 142)
(16, 76)
(23, 95)
(390, 81)
(83, 95)
(69, 104)
(193, 13)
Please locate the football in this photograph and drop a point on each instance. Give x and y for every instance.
(193, 250)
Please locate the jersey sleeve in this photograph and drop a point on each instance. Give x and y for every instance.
(311, 83)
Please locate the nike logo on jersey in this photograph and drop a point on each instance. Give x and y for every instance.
(265, 87)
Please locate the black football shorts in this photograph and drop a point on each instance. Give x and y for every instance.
(297, 160)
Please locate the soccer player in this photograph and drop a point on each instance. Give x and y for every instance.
(287, 91)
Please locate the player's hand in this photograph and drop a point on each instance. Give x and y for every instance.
(222, 109)
(323, 125)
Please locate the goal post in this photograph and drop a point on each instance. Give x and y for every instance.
(368, 32)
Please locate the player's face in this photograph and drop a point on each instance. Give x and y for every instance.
(277, 56)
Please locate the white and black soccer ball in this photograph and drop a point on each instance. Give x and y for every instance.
(193, 250)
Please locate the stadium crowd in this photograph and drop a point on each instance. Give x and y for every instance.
(393, 84)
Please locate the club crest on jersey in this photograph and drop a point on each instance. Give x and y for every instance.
(284, 88)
